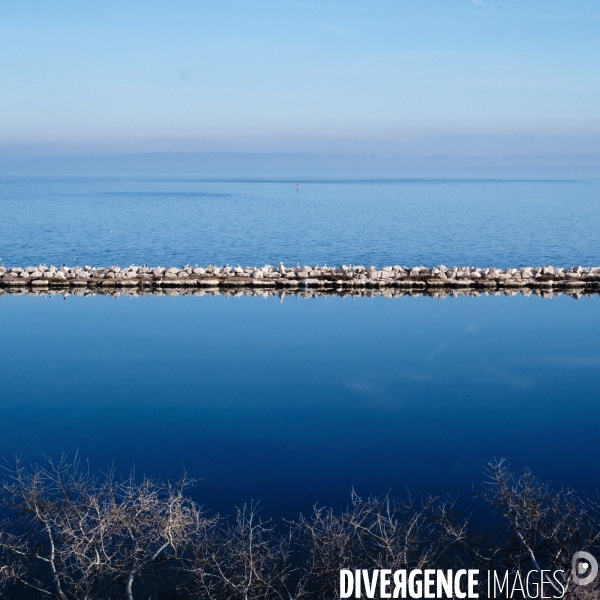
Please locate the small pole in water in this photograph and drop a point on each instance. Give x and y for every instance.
(297, 187)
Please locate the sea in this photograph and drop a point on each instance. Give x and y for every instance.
(289, 401)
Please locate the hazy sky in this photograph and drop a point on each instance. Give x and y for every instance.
(290, 75)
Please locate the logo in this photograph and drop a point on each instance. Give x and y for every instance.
(585, 568)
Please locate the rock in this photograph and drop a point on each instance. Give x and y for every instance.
(263, 282)
(180, 282)
(14, 281)
(208, 282)
(309, 282)
(344, 276)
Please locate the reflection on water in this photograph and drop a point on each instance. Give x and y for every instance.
(173, 292)
(296, 400)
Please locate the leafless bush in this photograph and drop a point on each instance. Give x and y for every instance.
(544, 528)
(246, 559)
(67, 534)
(377, 533)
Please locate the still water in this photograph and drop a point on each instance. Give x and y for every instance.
(296, 402)
(484, 221)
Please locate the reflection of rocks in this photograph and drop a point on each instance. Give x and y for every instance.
(305, 292)
(332, 279)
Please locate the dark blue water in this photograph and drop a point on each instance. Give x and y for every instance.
(296, 402)
(170, 221)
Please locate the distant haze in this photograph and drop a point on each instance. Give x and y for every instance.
(453, 83)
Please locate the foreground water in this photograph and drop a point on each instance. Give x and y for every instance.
(296, 402)
(482, 220)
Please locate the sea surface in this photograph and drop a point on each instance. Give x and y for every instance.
(297, 401)
(488, 220)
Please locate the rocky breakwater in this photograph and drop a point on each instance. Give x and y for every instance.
(302, 277)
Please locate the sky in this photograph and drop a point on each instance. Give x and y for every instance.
(327, 76)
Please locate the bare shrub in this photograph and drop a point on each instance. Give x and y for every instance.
(543, 528)
(377, 533)
(67, 534)
(246, 559)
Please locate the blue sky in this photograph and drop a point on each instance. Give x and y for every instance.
(293, 76)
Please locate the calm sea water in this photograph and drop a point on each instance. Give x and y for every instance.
(296, 402)
(493, 221)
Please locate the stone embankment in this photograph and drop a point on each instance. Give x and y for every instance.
(323, 278)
